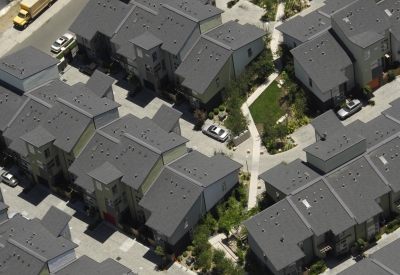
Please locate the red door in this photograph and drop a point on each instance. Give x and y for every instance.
(109, 218)
(374, 84)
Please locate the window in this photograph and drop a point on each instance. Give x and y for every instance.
(163, 64)
(70, 162)
(31, 149)
(294, 44)
(47, 153)
(310, 81)
(157, 68)
(176, 65)
(137, 199)
(148, 68)
(185, 222)
(384, 46)
(57, 159)
(117, 201)
(139, 53)
(249, 52)
(154, 55)
(114, 189)
(223, 186)
(108, 202)
(50, 165)
(98, 185)
(366, 55)
(217, 81)
(342, 235)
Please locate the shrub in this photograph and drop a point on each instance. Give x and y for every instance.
(317, 268)
(227, 109)
(204, 270)
(210, 115)
(264, 17)
(196, 267)
(273, 152)
(230, 4)
(221, 108)
(189, 248)
(371, 102)
(179, 258)
(291, 127)
(193, 253)
(393, 225)
(367, 91)
(184, 254)
(216, 111)
(378, 237)
(361, 245)
(391, 75)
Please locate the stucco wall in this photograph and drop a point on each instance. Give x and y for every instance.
(105, 118)
(83, 139)
(211, 22)
(393, 198)
(190, 42)
(214, 192)
(289, 41)
(61, 260)
(241, 58)
(174, 153)
(40, 78)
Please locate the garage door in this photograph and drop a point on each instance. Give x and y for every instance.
(149, 85)
(374, 84)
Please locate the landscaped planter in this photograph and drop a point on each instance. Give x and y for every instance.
(152, 242)
(135, 231)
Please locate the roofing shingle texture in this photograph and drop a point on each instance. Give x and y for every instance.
(99, 83)
(323, 59)
(26, 62)
(10, 103)
(278, 230)
(304, 28)
(169, 200)
(146, 40)
(367, 21)
(393, 15)
(289, 177)
(38, 137)
(55, 220)
(106, 173)
(166, 117)
(326, 124)
(205, 59)
(203, 169)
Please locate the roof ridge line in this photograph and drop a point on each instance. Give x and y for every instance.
(216, 42)
(146, 8)
(378, 263)
(380, 175)
(351, 3)
(339, 199)
(323, 13)
(109, 123)
(125, 18)
(106, 136)
(180, 13)
(76, 108)
(392, 118)
(191, 48)
(27, 250)
(289, 200)
(17, 113)
(319, 34)
(38, 100)
(40, 86)
(301, 188)
(144, 144)
(86, 144)
(184, 176)
(376, 146)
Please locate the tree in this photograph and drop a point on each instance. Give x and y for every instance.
(200, 240)
(300, 105)
(218, 256)
(281, 131)
(232, 216)
(161, 253)
(367, 91)
(200, 116)
(205, 258)
(211, 223)
(391, 75)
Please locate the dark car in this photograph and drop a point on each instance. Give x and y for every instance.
(88, 69)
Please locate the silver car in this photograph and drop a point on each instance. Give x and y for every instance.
(349, 109)
(9, 179)
(63, 41)
(215, 132)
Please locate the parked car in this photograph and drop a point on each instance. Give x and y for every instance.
(349, 109)
(9, 179)
(88, 69)
(63, 41)
(215, 132)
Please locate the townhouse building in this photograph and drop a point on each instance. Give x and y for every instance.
(345, 191)
(343, 46)
(170, 43)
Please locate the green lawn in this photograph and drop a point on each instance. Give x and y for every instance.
(266, 105)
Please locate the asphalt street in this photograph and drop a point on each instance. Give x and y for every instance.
(53, 28)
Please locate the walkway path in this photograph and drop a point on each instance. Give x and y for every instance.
(275, 33)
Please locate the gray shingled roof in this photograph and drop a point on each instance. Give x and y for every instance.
(375, 130)
(235, 35)
(268, 227)
(100, 16)
(304, 28)
(22, 229)
(332, 6)
(365, 267)
(99, 83)
(367, 21)
(106, 173)
(393, 14)
(3, 206)
(358, 185)
(83, 100)
(38, 137)
(55, 220)
(289, 177)
(169, 200)
(327, 123)
(206, 59)
(166, 117)
(390, 171)
(10, 103)
(323, 59)
(146, 132)
(50, 91)
(389, 256)
(25, 121)
(87, 266)
(325, 212)
(26, 263)
(394, 111)
(130, 28)
(203, 169)
(146, 40)
(26, 62)
(338, 142)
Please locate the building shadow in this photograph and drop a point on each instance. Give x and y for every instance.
(36, 195)
(332, 262)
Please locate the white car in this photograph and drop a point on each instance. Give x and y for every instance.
(63, 41)
(9, 179)
(349, 109)
(215, 132)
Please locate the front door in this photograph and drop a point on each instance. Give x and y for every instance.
(109, 218)
(149, 85)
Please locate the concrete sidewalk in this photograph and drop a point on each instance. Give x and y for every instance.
(276, 35)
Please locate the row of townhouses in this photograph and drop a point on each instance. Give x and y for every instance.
(127, 168)
(343, 46)
(178, 42)
(39, 247)
(345, 190)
